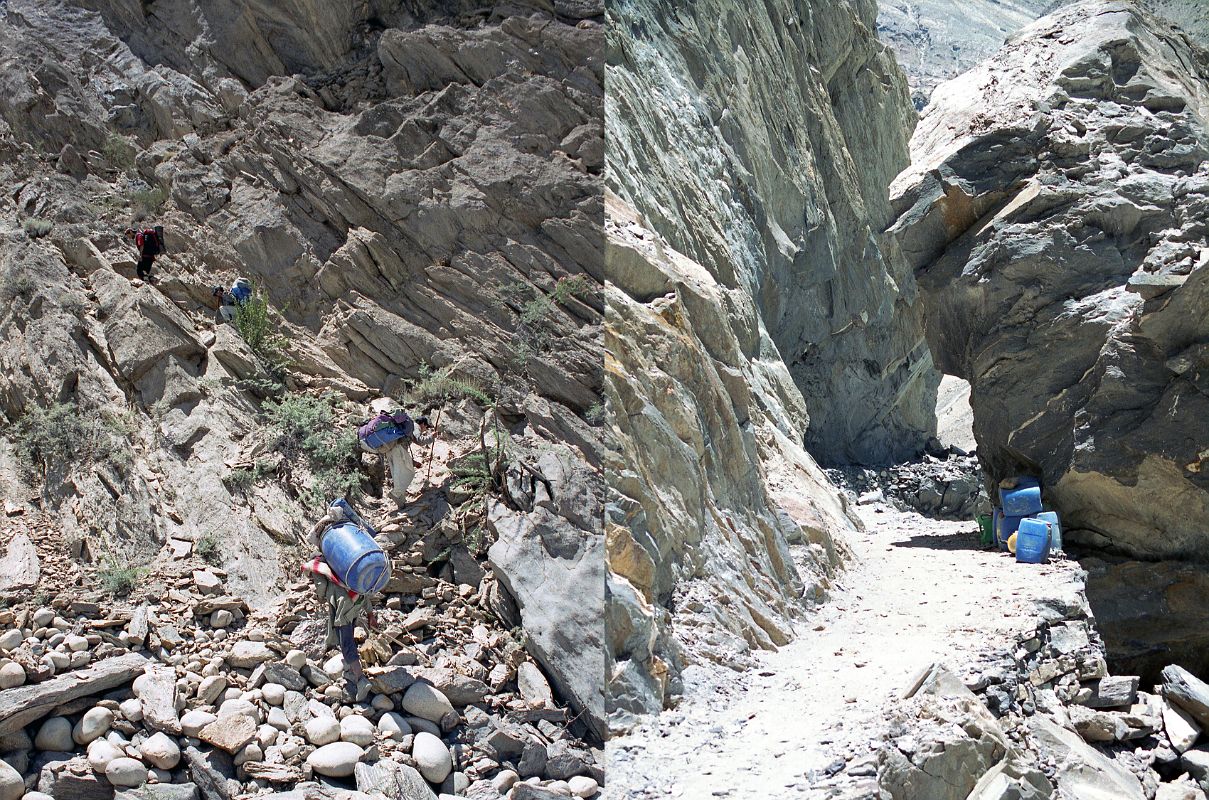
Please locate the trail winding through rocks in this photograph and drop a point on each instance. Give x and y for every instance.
(918, 591)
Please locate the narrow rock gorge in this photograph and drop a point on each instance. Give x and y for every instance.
(414, 189)
(753, 324)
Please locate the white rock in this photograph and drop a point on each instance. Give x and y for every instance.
(273, 693)
(239, 706)
(291, 747)
(80, 659)
(426, 701)
(357, 729)
(221, 618)
(336, 760)
(131, 709)
(249, 655)
(321, 731)
(11, 784)
(504, 780)
(126, 772)
(37, 796)
(12, 674)
(296, 659)
(161, 750)
(55, 734)
(583, 786)
(101, 752)
(432, 757)
(43, 617)
(334, 665)
(210, 688)
(266, 736)
(93, 725)
(394, 726)
(75, 643)
(533, 686)
(278, 719)
(193, 721)
(251, 752)
(11, 639)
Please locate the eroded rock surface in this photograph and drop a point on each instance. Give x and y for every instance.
(1054, 215)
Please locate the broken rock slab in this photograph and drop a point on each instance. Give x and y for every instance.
(1082, 770)
(25, 704)
(1188, 692)
(19, 566)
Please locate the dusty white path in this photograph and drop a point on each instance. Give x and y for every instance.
(920, 591)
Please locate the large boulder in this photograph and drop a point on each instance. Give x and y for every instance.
(1052, 215)
(554, 568)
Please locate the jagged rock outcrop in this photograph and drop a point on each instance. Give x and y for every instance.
(759, 143)
(416, 190)
(1054, 215)
(935, 40)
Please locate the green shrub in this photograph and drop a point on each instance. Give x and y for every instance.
(255, 324)
(206, 548)
(148, 201)
(62, 436)
(435, 387)
(37, 228)
(118, 577)
(119, 153)
(309, 436)
(17, 283)
(595, 413)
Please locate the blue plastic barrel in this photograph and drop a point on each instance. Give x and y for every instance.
(355, 557)
(1005, 526)
(1032, 541)
(1055, 531)
(1022, 501)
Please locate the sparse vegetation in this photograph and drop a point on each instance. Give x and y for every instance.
(17, 283)
(37, 228)
(117, 576)
(119, 153)
(435, 387)
(256, 326)
(243, 479)
(148, 201)
(535, 322)
(595, 413)
(206, 548)
(60, 436)
(308, 437)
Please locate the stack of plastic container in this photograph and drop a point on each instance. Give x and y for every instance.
(1037, 531)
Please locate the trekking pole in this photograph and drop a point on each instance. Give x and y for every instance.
(436, 430)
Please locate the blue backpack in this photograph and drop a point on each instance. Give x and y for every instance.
(386, 428)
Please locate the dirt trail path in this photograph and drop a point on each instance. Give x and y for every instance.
(920, 591)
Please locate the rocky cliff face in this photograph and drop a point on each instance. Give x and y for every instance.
(760, 145)
(415, 189)
(1054, 215)
(749, 150)
(935, 40)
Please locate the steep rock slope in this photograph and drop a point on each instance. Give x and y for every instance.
(421, 205)
(748, 151)
(1055, 216)
(759, 144)
(708, 481)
